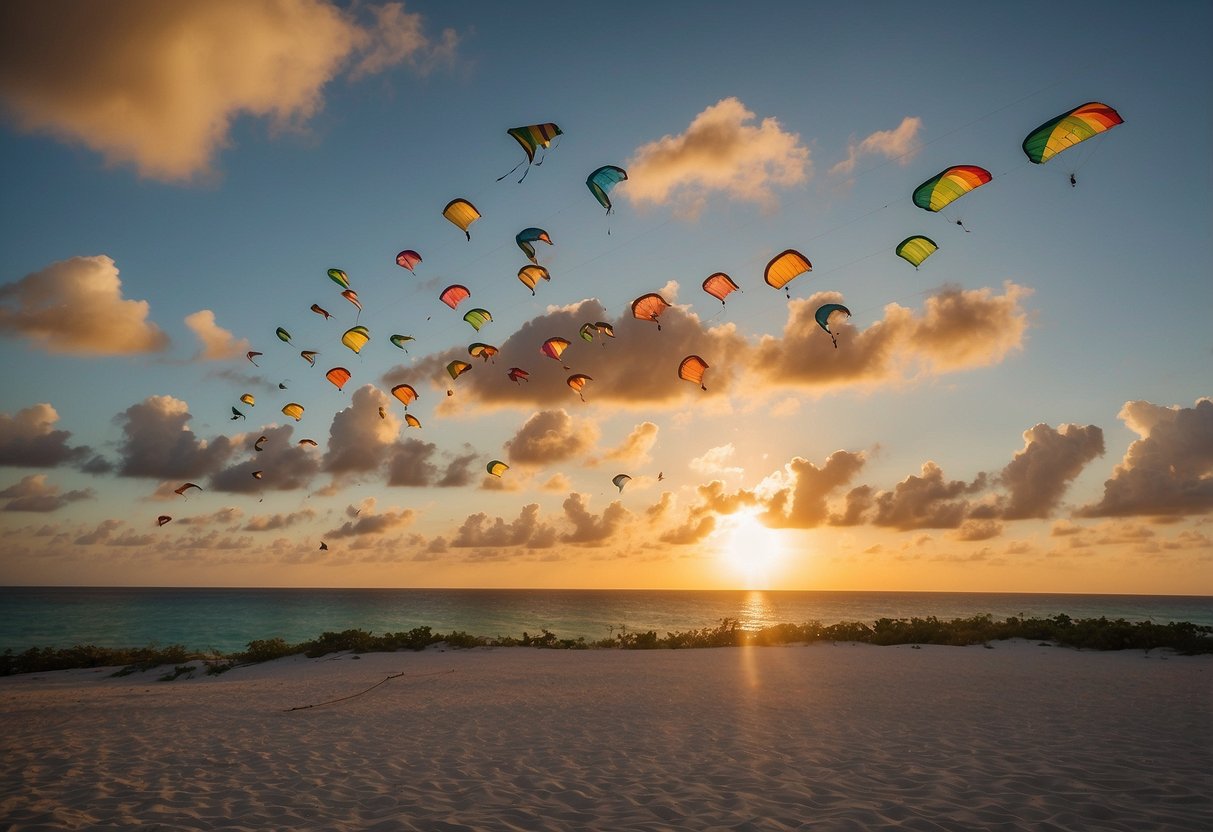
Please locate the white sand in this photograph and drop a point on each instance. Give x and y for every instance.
(820, 737)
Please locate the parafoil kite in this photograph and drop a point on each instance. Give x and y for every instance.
(248, 399)
(320, 310)
(257, 474)
(553, 347)
(601, 181)
(260, 443)
(478, 318)
(311, 442)
(484, 351)
(530, 275)
(407, 259)
(587, 332)
(339, 277)
(250, 355)
(462, 213)
(457, 368)
(496, 467)
(283, 335)
(338, 376)
(310, 356)
(324, 547)
(823, 315)
(1068, 129)
(784, 267)
(526, 236)
(401, 340)
(720, 286)
(516, 373)
(352, 297)
(382, 412)
(916, 249)
(531, 137)
(182, 489)
(604, 329)
(356, 337)
(236, 414)
(620, 480)
(294, 410)
(412, 421)
(454, 294)
(649, 307)
(405, 393)
(948, 185)
(578, 382)
(691, 369)
(162, 519)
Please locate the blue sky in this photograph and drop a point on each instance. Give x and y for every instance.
(224, 156)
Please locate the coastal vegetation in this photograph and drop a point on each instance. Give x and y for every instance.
(1090, 634)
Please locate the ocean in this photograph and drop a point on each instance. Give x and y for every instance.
(228, 619)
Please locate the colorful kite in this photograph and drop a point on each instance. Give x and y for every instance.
(462, 213)
(601, 181)
(454, 295)
(823, 315)
(649, 307)
(531, 137)
(1068, 129)
(784, 267)
(691, 369)
(530, 275)
(407, 259)
(916, 249)
(720, 286)
(526, 236)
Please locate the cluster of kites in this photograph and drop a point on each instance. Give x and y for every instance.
(935, 195)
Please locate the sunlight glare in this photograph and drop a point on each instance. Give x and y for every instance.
(752, 552)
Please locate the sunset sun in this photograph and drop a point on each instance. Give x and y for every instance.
(751, 553)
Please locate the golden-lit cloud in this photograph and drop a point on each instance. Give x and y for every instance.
(636, 446)
(165, 81)
(897, 144)
(34, 493)
(359, 438)
(925, 501)
(1169, 470)
(550, 436)
(76, 307)
(802, 503)
(217, 343)
(370, 521)
(28, 439)
(591, 529)
(1050, 459)
(527, 530)
(722, 151)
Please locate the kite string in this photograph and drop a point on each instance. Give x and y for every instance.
(368, 690)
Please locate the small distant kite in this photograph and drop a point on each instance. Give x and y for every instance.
(620, 480)
(496, 467)
(478, 318)
(250, 355)
(294, 410)
(916, 249)
(407, 259)
(309, 356)
(454, 295)
(356, 337)
(236, 414)
(578, 382)
(162, 519)
(517, 373)
(182, 489)
(405, 393)
(401, 340)
(339, 277)
(260, 443)
(248, 399)
(320, 310)
(338, 376)
(352, 297)
(324, 547)
(457, 368)
(482, 351)
(412, 421)
(283, 335)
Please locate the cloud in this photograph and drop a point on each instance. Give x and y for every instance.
(157, 442)
(1038, 475)
(721, 151)
(368, 522)
(217, 343)
(284, 465)
(897, 144)
(166, 81)
(76, 307)
(958, 329)
(359, 440)
(410, 465)
(477, 531)
(635, 448)
(34, 493)
(1169, 470)
(590, 529)
(927, 501)
(804, 499)
(550, 436)
(28, 439)
(714, 462)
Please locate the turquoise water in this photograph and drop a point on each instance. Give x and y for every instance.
(227, 619)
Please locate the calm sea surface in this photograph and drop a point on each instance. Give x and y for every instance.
(227, 619)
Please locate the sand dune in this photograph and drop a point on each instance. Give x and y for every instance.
(821, 737)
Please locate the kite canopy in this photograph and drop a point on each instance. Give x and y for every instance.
(620, 480)
(526, 236)
(162, 519)
(250, 355)
(405, 393)
(457, 368)
(338, 376)
(294, 410)
(916, 249)
(601, 181)
(339, 277)
(604, 329)
(258, 474)
(784, 267)
(478, 318)
(407, 259)
(352, 297)
(311, 442)
(479, 350)
(283, 335)
(248, 399)
(823, 315)
(578, 382)
(462, 213)
(691, 369)
(309, 356)
(649, 307)
(496, 467)
(356, 337)
(183, 488)
(236, 414)
(1068, 129)
(534, 136)
(553, 347)
(949, 185)
(260, 443)
(720, 286)
(530, 275)
(412, 421)
(401, 340)
(454, 294)
(320, 310)
(516, 373)
(587, 332)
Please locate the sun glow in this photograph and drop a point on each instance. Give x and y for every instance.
(752, 553)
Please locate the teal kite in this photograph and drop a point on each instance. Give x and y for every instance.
(822, 316)
(601, 181)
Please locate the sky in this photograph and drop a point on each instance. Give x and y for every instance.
(1027, 411)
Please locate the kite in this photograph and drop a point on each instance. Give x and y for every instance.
(250, 355)
(405, 393)
(526, 236)
(319, 310)
(407, 259)
(261, 440)
(181, 491)
(1068, 129)
(257, 474)
(309, 356)
(578, 382)
(283, 335)
(784, 267)
(382, 412)
(412, 421)
(948, 185)
(604, 329)
(236, 414)
(311, 442)
(916, 249)
(620, 480)
(454, 294)
(339, 277)
(338, 376)
(649, 307)
(823, 314)
(352, 297)
(248, 399)
(457, 368)
(601, 181)
(478, 318)
(282, 384)
(496, 467)
(720, 286)
(587, 332)
(294, 410)
(462, 213)
(162, 519)
(485, 351)
(401, 340)
(691, 369)
(356, 337)
(553, 347)
(516, 373)
(324, 547)
(530, 275)
(531, 137)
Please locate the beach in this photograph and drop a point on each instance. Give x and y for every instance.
(823, 736)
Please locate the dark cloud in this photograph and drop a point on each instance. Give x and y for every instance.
(591, 529)
(478, 531)
(28, 439)
(1039, 474)
(34, 493)
(550, 436)
(157, 442)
